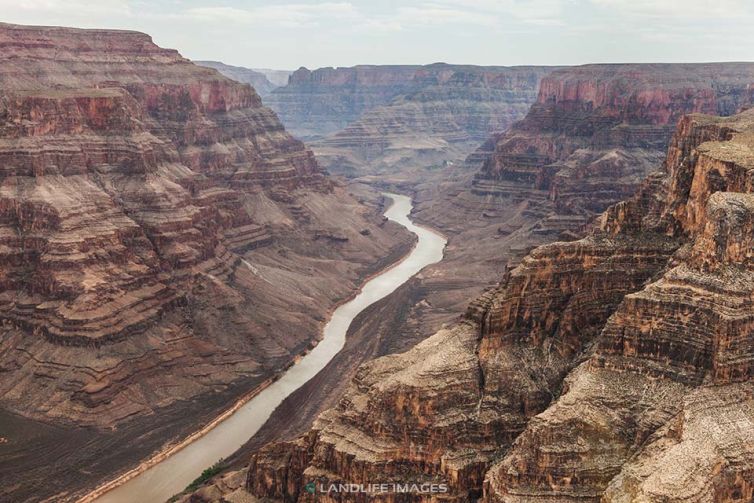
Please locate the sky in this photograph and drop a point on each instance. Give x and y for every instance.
(287, 34)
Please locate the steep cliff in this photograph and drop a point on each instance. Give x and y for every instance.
(317, 103)
(163, 238)
(451, 110)
(675, 354)
(616, 367)
(596, 130)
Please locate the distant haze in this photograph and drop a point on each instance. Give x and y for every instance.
(287, 34)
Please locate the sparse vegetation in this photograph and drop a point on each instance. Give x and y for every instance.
(207, 474)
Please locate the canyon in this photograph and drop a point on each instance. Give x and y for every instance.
(167, 248)
(590, 140)
(372, 119)
(611, 367)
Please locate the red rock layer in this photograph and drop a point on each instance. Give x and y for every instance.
(142, 163)
(573, 156)
(660, 359)
(131, 184)
(597, 130)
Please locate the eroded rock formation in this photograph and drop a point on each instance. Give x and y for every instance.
(593, 135)
(453, 109)
(615, 368)
(158, 240)
(596, 130)
(388, 118)
(673, 346)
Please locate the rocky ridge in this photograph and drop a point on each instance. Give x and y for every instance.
(615, 367)
(158, 224)
(453, 109)
(323, 101)
(596, 130)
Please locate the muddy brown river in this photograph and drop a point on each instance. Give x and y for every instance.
(174, 473)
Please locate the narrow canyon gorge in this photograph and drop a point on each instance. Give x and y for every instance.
(177, 236)
(573, 378)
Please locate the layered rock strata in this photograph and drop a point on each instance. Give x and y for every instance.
(316, 103)
(448, 113)
(374, 119)
(612, 368)
(673, 346)
(596, 130)
(590, 139)
(158, 226)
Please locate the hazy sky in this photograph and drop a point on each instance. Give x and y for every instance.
(287, 34)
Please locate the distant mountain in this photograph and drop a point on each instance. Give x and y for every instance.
(368, 119)
(263, 81)
(277, 77)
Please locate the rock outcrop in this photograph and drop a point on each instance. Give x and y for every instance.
(596, 130)
(317, 103)
(666, 360)
(158, 242)
(613, 368)
(451, 111)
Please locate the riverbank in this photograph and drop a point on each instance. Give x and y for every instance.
(58, 460)
(174, 448)
(162, 478)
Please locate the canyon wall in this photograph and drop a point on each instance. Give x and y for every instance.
(370, 119)
(595, 131)
(615, 367)
(675, 355)
(166, 245)
(323, 101)
(593, 135)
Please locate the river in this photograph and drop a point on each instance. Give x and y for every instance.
(174, 473)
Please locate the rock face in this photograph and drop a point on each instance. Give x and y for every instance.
(256, 79)
(613, 368)
(157, 225)
(593, 135)
(323, 101)
(377, 118)
(596, 130)
(627, 426)
(453, 110)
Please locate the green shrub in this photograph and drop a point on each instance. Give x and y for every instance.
(207, 474)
